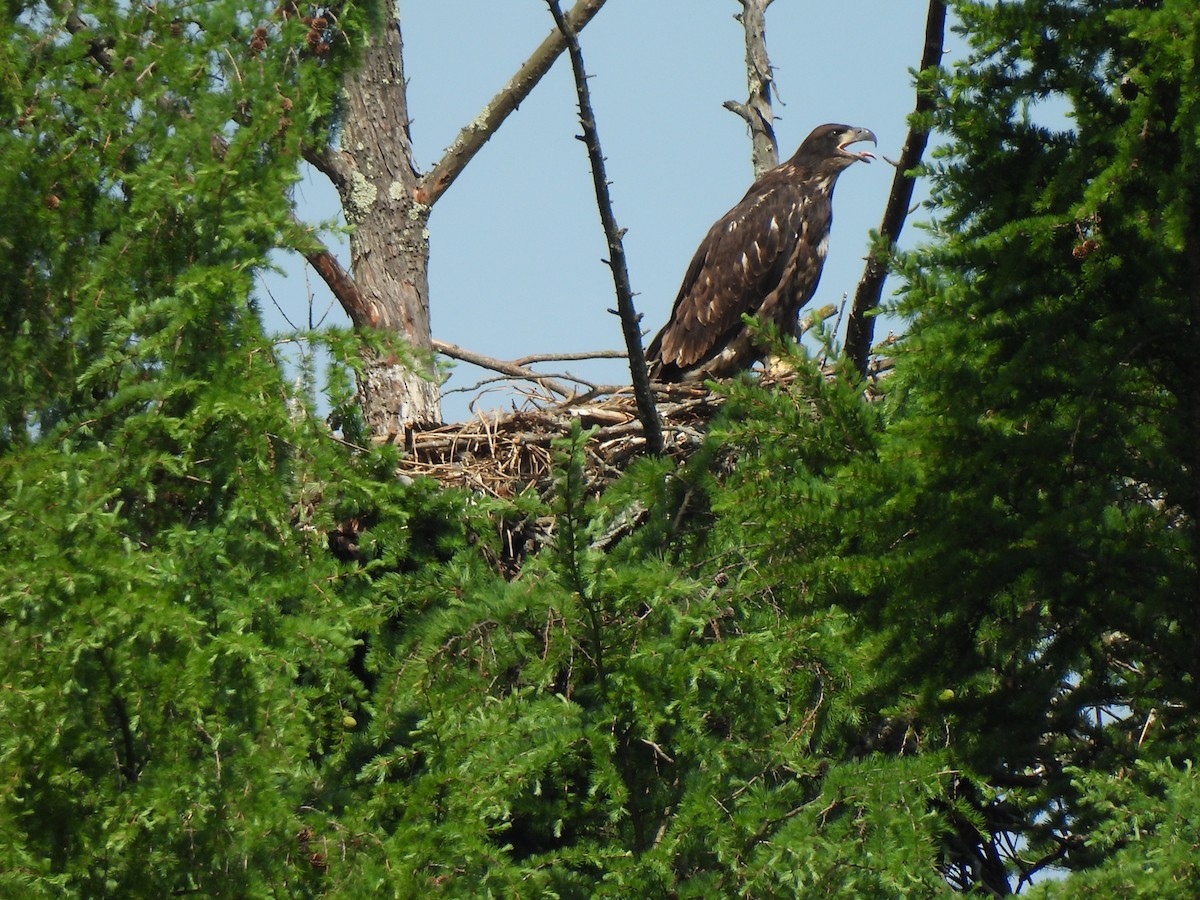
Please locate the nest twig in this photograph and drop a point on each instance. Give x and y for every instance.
(502, 454)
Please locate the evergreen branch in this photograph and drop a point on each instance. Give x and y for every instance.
(630, 320)
(574, 545)
(329, 162)
(127, 761)
(860, 327)
(474, 135)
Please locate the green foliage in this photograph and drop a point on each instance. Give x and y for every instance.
(853, 647)
(1035, 493)
(161, 711)
(177, 638)
(145, 162)
(1147, 831)
(662, 711)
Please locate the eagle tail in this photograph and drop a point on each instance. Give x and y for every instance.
(660, 370)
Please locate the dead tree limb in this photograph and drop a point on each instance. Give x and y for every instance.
(569, 357)
(756, 112)
(860, 327)
(475, 134)
(630, 320)
(511, 369)
(334, 274)
(99, 48)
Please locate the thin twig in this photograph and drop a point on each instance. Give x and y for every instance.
(630, 321)
(860, 327)
(570, 357)
(499, 365)
(507, 380)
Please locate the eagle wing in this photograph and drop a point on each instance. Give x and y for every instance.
(739, 263)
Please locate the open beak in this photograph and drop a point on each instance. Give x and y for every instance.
(853, 137)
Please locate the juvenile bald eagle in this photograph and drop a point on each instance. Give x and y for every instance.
(763, 257)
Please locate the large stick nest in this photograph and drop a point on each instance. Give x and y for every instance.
(505, 453)
(502, 454)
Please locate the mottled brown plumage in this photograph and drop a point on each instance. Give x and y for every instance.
(763, 257)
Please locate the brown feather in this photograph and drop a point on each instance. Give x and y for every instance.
(762, 258)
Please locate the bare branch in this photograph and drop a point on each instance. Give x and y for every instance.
(339, 281)
(860, 327)
(756, 112)
(808, 322)
(583, 390)
(474, 135)
(1066, 845)
(630, 320)
(331, 163)
(570, 357)
(504, 368)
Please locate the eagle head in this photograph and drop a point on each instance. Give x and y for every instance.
(829, 144)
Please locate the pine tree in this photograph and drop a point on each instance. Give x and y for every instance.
(1034, 556)
(675, 708)
(852, 647)
(176, 636)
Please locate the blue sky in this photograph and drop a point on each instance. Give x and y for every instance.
(516, 242)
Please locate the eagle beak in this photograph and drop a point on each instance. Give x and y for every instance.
(853, 137)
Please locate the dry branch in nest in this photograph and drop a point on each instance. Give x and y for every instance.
(505, 454)
(502, 455)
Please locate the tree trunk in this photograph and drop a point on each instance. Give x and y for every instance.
(389, 243)
(387, 203)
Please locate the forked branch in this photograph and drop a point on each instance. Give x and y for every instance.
(340, 168)
(511, 369)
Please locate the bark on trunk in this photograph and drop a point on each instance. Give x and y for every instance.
(387, 203)
(760, 78)
(389, 244)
